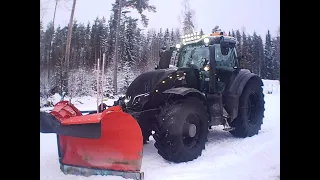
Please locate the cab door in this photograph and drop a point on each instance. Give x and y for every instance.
(226, 65)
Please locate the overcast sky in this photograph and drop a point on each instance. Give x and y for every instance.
(253, 15)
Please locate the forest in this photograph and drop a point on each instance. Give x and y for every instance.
(138, 49)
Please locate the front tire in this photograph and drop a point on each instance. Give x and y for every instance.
(251, 110)
(181, 130)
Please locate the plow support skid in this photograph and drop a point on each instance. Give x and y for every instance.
(107, 143)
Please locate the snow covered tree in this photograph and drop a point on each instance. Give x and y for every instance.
(172, 38)
(99, 40)
(130, 41)
(201, 32)
(138, 48)
(141, 6)
(45, 53)
(239, 45)
(160, 39)
(127, 76)
(80, 82)
(155, 47)
(188, 21)
(146, 53)
(269, 56)
(87, 47)
(257, 54)
(177, 36)
(277, 56)
(166, 39)
(249, 55)
(245, 52)
(233, 34)
(41, 46)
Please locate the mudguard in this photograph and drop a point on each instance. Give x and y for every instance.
(234, 91)
(241, 80)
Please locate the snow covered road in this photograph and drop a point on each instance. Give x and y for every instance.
(225, 157)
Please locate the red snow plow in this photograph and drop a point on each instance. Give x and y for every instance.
(107, 143)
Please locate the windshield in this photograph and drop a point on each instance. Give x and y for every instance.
(193, 55)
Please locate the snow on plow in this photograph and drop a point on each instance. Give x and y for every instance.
(107, 143)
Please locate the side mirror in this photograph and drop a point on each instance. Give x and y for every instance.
(165, 59)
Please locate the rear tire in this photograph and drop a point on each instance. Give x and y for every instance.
(251, 110)
(181, 130)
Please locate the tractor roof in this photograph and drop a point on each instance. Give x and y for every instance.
(213, 38)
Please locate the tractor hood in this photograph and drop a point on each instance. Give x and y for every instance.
(146, 82)
(155, 82)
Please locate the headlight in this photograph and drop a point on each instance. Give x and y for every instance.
(206, 68)
(126, 100)
(178, 46)
(206, 40)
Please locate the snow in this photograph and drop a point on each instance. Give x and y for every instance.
(225, 157)
(85, 103)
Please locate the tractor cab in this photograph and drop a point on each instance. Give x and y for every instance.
(213, 58)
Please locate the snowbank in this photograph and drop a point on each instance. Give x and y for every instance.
(271, 86)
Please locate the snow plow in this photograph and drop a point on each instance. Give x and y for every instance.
(180, 104)
(106, 143)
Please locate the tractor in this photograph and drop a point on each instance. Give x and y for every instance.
(179, 103)
(206, 88)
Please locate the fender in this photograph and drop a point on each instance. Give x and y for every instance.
(235, 89)
(241, 80)
(185, 91)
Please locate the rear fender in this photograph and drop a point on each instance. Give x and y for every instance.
(232, 95)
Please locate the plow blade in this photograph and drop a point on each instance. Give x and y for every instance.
(107, 143)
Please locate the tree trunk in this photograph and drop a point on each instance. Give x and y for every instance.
(68, 45)
(51, 42)
(116, 44)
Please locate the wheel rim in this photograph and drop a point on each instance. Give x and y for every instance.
(252, 108)
(191, 131)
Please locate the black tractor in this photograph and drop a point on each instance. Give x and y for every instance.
(206, 88)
